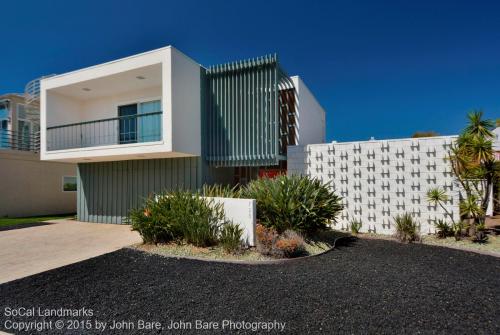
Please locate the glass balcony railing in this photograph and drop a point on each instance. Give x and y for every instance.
(128, 129)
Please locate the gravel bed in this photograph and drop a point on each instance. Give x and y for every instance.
(368, 286)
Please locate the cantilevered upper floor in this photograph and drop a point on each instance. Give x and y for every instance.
(162, 104)
(144, 106)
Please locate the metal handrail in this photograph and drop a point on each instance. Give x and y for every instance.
(127, 129)
(15, 140)
(104, 120)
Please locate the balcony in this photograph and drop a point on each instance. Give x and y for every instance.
(126, 129)
(21, 141)
(146, 106)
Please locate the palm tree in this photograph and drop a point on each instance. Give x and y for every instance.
(478, 127)
(472, 158)
(481, 149)
(437, 196)
(470, 208)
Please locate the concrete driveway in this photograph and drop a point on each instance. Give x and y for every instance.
(24, 252)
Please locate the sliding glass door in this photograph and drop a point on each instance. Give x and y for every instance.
(149, 126)
(137, 124)
(128, 123)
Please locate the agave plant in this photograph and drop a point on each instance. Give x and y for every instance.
(298, 203)
(443, 229)
(355, 226)
(407, 228)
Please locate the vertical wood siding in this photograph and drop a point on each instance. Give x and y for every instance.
(108, 190)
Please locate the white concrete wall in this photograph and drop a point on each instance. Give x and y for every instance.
(310, 115)
(381, 179)
(186, 104)
(179, 93)
(107, 107)
(242, 212)
(63, 109)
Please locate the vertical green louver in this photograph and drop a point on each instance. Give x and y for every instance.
(108, 190)
(242, 114)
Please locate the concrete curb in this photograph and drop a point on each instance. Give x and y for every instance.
(244, 262)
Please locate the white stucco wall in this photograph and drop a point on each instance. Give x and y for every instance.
(107, 107)
(310, 115)
(179, 92)
(31, 187)
(242, 212)
(186, 104)
(63, 109)
(381, 179)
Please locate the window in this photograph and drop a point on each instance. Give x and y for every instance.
(4, 110)
(69, 184)
(137, 124)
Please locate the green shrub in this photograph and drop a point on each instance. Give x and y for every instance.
(218, 190)
(407, 229)
(153, 220)
(480, 234)
(197, 219)
(355, 226)
(178, 215)
(297, 203)
(443, 229)
(230, 237)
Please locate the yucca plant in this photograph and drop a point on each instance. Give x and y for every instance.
(355, 226)
(407, 229)
(470, 208)
(474, 167)
(230, 237)
(218, 190)
(438, 196)
(443, 229)
(298, 203)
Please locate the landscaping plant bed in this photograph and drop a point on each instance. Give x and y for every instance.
(491, 246)
(318, 244)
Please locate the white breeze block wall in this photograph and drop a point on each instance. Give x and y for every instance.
(381, 179)
(242, 212)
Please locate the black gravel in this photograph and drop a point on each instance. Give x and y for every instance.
(370, 286)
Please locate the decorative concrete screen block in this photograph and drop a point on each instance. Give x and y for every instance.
(381, 179)
(242, 212)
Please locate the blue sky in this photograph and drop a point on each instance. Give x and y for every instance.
(379, 68)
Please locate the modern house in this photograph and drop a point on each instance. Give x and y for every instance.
(159, 120)
(30, 186)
